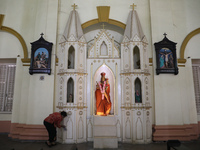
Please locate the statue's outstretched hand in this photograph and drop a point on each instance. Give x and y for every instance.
(97, 86)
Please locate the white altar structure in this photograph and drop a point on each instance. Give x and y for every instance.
(124, 59)
(94, 36)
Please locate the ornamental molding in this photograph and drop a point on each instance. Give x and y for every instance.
(135, 73)
(72, 73)
(71, 107)
(136, 107)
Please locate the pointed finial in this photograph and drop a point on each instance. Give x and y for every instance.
(103, 26)
(74, 6)
(165, 34)
(133, 6)
(41, 34)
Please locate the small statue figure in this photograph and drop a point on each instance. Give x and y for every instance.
(70, 99)
(137, 97)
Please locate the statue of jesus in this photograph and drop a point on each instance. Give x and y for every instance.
(102, 93)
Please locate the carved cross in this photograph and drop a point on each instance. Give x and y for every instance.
(74, 6)
(103, 25)
(133, 6)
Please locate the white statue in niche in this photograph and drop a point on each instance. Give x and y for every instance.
(70, 99)
(104, 51)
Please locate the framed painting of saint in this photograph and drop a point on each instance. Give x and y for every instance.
(166, 56)
(40, 56)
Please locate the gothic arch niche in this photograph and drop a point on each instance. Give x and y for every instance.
(69, 126)
(97, 78)
(136, 57)
(103, 49)
(70, 90)
(71, 57)
(138, 91)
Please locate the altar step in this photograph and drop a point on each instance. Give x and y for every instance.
(105, 132)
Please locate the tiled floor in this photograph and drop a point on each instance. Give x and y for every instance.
(10, 144)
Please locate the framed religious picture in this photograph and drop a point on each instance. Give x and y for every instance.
(41, 56)
(166, 58)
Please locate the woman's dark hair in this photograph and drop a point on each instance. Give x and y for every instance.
(63, 113)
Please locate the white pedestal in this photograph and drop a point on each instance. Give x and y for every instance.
(105, 132)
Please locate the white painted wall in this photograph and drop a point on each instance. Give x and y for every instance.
(33, 99)
(174, 95)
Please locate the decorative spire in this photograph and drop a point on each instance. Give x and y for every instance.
(133, 26)
(165, 34)
(133, 6)
(74, 6)
(73, 28)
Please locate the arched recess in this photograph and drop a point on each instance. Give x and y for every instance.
(71, 57)
(70, 90)
(18, 36)
(185, 42)
(138, 91)
(104, 49)
(111, 77)
(136, 57)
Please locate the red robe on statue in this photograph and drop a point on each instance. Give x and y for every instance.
(103, 103)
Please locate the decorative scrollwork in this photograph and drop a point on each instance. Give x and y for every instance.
(80, 112)
(69, 113)
(138, 113)
(128, 113)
